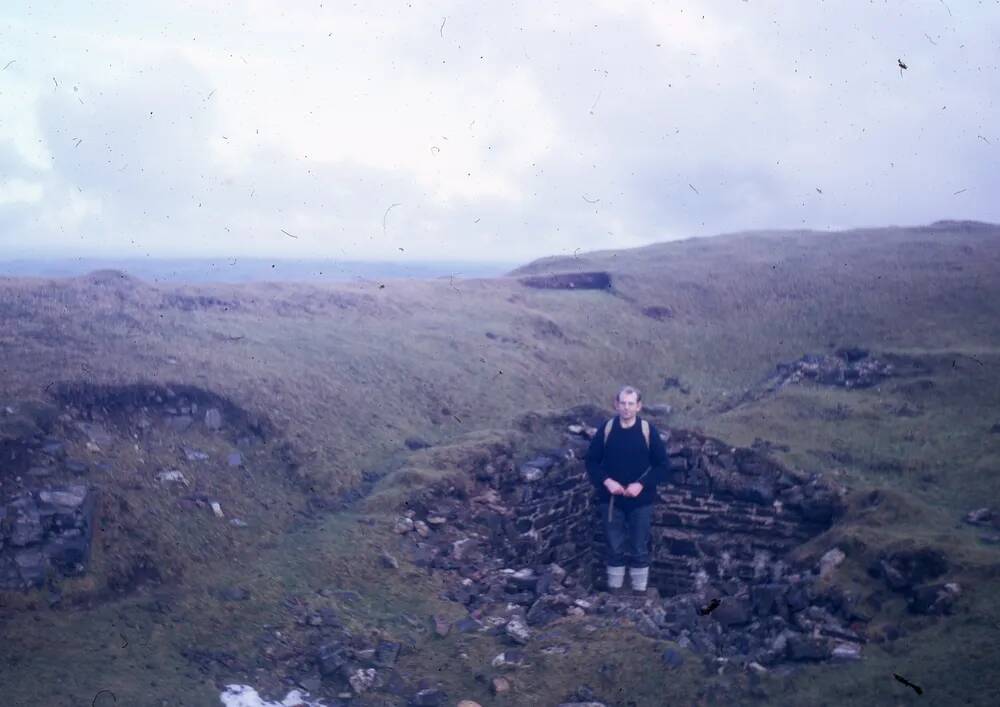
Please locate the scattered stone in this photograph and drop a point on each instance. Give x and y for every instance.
(362, 680)
(238, 522)
(981, 516)
(523, 579)
(217, 509)
(846, 651)
(517, 630)
(213, 419)
(442, 626)
(388, 560)
(509, 659)
(830, 561)
(436, 521)
(467, 625)
(403, 525)
(172, 476)
(195, 455)
(500, 686)
(421, 528)
(468, 703)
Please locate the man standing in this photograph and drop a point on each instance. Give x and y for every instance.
(625, 461)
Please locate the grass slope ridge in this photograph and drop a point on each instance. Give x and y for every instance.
(346, 373)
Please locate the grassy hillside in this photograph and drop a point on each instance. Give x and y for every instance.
(347, 372)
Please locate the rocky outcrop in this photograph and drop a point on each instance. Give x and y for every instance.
(847, 368)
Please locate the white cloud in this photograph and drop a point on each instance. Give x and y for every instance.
(14, 191)
(514, 131)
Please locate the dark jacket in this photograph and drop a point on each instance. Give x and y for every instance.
(625, 459)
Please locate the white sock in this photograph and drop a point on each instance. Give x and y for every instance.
(616, 577)
(639, 577)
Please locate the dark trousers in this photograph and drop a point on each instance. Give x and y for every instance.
(627, 533)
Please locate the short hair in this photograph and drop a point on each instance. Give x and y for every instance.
(627, 390)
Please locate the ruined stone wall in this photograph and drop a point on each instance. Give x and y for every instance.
(50, 528)
(727, 514)
(551, 500)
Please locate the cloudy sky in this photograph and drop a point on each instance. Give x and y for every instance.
(485, 131)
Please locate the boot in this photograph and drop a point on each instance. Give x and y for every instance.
(616, 578)
(639, 576)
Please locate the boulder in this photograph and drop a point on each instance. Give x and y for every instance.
(517, 630)
(362, 680)
(830, 561)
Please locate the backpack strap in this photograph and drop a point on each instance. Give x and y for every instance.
(611, 422)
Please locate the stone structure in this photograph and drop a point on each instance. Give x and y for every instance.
(43, 531)
(730, 514)
(727, 514)
(569, 281)
(521, 547)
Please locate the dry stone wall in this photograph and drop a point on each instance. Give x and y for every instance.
(728, 514)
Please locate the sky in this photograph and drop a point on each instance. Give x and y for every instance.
(495, 131)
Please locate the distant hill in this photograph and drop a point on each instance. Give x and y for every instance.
(203, 270)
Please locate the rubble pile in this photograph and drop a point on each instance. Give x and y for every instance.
(846, 368)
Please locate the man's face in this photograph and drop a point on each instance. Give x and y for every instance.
(628, 406)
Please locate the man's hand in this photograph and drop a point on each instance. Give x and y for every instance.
(633, 489)
(614, 488)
